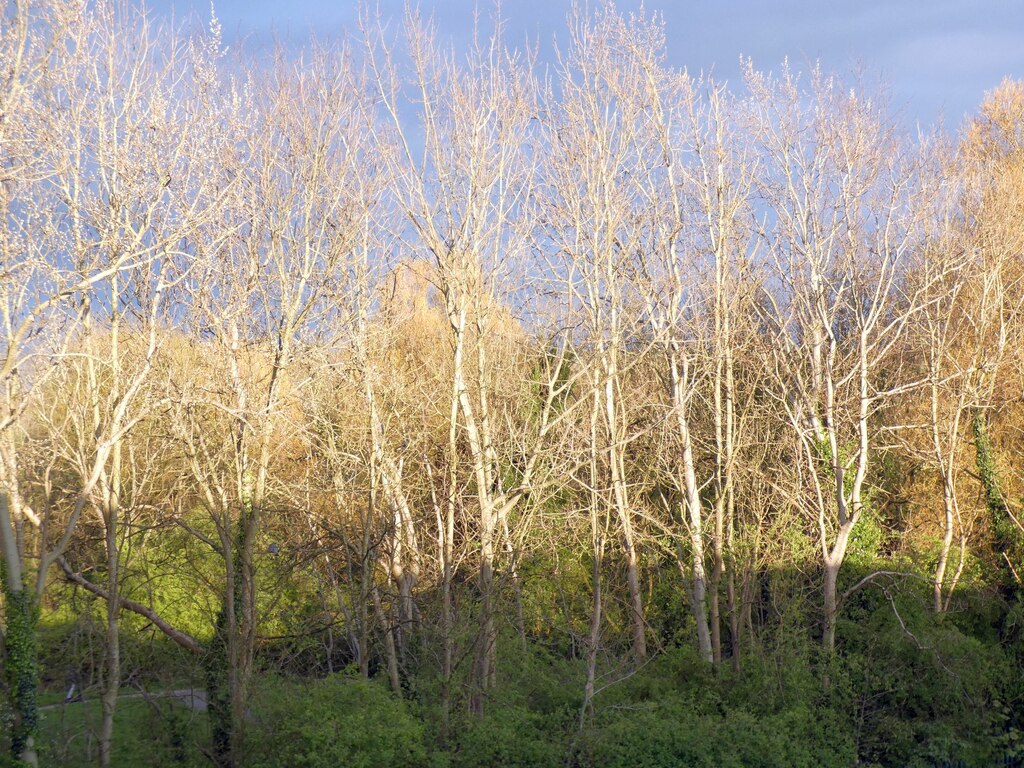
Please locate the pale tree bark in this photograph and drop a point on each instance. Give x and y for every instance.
(598, 537)
(725, 173)
(124, 211)
(465, 199)
(102, 169)
(687, 194)
(293, 153)
(962, 338)
(839, 309)
(591, 147)
(388, 464)
(386, 621)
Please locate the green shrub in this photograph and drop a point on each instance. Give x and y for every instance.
(338, 721)
(509, 736)
(528, 719)
(674, 733)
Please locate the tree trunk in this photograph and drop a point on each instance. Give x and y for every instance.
(597, 543)
(20, 645)
(227, 661)
(635, 599)
(113, 641)
(486, 651)
(621, 499)
(390, 650)
(734, 620)
(714, 587)
(218, 697)
(947, 545)
(112, 501)
(445, 533)
(594, 641)
(699, 590)
(831, 605)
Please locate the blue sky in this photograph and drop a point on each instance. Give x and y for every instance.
(937, 56)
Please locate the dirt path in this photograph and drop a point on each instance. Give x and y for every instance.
(192, 698)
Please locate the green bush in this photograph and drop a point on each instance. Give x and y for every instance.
(528, 719)
(926, 692)
(677, 712)
(673, 733)
(338, 721)
(511, 737)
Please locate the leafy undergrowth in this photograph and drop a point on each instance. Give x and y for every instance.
(154, 732)
(907, 690)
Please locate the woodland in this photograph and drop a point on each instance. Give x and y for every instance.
(386, 404)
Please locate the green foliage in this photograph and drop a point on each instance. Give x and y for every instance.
(528, 718)
(181, 578)
(1008, 537)
(21, 669)
(987, 471)
(338, 721)
(866, 542)
(156, 733)
(671, 733)
(677, 712)
(509, 735)
(924, 689)
(548, 585)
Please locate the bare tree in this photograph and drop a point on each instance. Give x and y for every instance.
(133, 185)
(292, 150)
(838, 188)
(696, 186)
(91, 218)
(594, 142)
(961, 336)
(464, 188)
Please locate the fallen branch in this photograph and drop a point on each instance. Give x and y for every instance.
(183, 639)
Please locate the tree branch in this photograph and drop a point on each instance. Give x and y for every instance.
(186, 641)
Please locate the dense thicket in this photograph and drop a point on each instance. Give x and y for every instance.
(610, 417)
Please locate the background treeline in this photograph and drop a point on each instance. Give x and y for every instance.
(605, 414)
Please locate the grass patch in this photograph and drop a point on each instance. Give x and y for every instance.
(154, 732)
